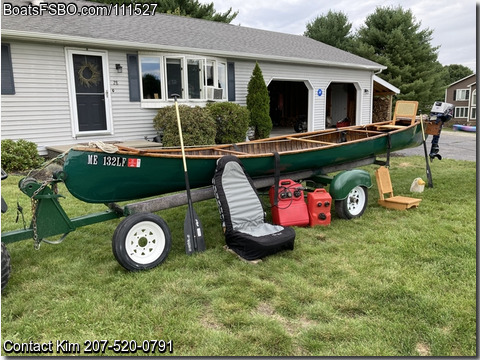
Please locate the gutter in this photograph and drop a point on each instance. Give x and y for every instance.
(130, 45)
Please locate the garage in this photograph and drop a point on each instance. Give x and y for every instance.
(288, 103)
(341, 106)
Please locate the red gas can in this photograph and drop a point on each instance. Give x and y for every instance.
(319, 205)
(291, 209)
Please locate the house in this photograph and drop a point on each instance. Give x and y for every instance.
(463, 94)
(81, 71)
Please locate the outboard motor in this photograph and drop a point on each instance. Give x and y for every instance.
(441, 112)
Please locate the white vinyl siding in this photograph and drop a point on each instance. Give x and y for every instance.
(315, 77)
(39, 111)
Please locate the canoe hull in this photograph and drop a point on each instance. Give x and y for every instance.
(98, 177)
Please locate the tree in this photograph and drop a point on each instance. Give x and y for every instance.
(455, 72)
(258, 103)
(332, 29)
(393, 38)
(190, 8)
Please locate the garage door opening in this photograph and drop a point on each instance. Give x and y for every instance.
(341, 106)
(288, 103)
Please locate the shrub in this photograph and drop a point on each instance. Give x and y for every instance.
(258, 102)
(232, 122)
(20, 155)
(198, 127)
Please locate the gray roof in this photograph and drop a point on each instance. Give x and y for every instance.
(176, 33)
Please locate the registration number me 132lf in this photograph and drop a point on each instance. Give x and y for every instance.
(109, 160)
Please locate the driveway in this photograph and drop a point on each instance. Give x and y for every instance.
(456, 145)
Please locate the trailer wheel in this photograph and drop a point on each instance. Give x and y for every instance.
(141, 241)
(6, 267)
(354, 204)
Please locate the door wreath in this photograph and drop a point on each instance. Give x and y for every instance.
(88, 78)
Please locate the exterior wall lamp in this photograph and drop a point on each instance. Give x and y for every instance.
(118, 67)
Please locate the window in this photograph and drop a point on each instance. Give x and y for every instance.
(461, 112)
(174, 77)
(462, 94)
(194, 76)
(474, 97)
(209, 73)
(222, 75)
(216, 80)
(474, 113)
(8, 84)
(189, 77)
(151, 78)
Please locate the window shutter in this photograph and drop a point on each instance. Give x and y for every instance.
(454, 95)
(133, 77)
(8, 84)
(231, 81)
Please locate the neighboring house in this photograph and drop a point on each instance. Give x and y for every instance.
(463, 94)
(69, 78)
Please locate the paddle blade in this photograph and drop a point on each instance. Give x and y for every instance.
(193, 230)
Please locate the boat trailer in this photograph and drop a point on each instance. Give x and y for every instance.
(149, 244)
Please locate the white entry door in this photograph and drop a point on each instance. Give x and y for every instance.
(89, 92)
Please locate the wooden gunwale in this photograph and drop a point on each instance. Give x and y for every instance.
(260, 148)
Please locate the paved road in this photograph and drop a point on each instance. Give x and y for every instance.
(457, 145)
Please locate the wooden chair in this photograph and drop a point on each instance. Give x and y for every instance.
(385, 187)
(404, 110)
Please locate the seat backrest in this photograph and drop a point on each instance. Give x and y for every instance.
(405, 110)
(384, 182)
(237, 197)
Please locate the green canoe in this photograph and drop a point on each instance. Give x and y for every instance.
(95, 176)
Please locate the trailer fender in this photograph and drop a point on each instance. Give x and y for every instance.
(345, 181)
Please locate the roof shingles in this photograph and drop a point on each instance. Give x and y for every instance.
(170, 31)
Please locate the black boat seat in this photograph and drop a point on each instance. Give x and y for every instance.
(242, 214)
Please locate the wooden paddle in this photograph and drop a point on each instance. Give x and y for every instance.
(192, 227)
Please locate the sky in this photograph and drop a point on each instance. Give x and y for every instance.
(453, 21)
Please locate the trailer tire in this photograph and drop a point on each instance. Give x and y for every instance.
(141, 241)
(6, 266)
(354, 204)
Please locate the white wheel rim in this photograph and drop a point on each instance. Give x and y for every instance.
(356, 201)
(145, 242)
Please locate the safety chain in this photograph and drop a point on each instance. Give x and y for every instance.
(36, 240)
(34, 201)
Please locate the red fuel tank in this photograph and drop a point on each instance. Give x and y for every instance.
(319, 205)
(291, 209)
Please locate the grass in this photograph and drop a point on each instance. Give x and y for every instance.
(391, 283)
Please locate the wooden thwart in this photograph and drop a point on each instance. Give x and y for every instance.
(385, 187)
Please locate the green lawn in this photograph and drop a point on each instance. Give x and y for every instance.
(391, 283)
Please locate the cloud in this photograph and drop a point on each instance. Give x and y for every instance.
(453, 22)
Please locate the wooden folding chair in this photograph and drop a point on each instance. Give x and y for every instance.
(385, 187)
(405, 111)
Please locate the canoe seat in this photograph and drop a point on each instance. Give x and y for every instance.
(385, 188)
(405, 111)
(242, 214)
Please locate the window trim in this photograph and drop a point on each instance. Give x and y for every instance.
(182, 76)
(463, 114)
(161, 73)
(185, 96)
(465, 92)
